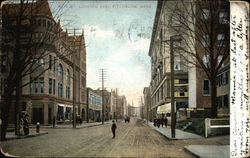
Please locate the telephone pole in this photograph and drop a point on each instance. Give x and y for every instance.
(74, 85)
(174, 38)
(116, 104)
(103, 77)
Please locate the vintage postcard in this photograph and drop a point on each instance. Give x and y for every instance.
(124, 78)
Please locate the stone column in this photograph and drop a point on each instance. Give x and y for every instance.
(54, 109)
(46, 113)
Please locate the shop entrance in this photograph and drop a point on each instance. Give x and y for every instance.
(37, 115)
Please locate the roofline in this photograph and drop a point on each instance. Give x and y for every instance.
(156, 20)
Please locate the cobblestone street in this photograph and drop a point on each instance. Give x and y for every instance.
(133, 139)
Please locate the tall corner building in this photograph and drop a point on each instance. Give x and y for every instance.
(58, 61)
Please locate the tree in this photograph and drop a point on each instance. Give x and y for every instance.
(204, 28)
(25, 49)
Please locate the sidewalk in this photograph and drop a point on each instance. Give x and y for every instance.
(209, 151)
(215, 151)
(78, 126)
(11, 135)
(179, 134)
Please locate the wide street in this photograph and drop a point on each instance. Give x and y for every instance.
(134, 139)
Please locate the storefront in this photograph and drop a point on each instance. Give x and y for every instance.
(64, 112)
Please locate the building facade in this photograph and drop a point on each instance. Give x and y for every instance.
(121, 105)
(216, 38)
(147, 103)
(94, 106)
(192, 24)
(107, 103)
(58, 71)
(159, 52)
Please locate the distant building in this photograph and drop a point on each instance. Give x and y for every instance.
(113, 104)
(147, 103)
(94, 106)
(121, 104)
(107, 103)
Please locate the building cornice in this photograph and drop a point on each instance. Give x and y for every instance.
(156, 20)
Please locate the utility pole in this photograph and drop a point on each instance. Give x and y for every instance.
(142, 115)
(172, 88)
(116, 104)
(74, 54)
(174, 38)
(74, 85)
(87, 111)
(102, 77)
(147, 106)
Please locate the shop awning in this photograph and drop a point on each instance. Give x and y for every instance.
(163, 109)
(65, 105)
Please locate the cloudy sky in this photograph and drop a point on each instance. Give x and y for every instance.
(117, 35)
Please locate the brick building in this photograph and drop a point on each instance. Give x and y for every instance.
(192, 22)
(48, 84)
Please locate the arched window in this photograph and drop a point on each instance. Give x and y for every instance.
(60, 71)
(68, 76)
(41, 62)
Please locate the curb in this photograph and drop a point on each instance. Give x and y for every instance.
(58, 127)
(27, 136)
(193, 154)
(168, 138)
(92, 126)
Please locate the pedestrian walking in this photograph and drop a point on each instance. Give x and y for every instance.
(166, 122)
(113, 128)
(158, 122)
(162, 122)
(54, 121)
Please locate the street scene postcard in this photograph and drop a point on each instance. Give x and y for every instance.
(153, 78)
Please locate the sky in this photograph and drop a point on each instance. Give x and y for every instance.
(117, 35)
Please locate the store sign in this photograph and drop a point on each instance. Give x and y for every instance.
(239, 80)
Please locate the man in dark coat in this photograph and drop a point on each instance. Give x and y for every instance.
(166, 122)
(113, 128)
(158, 123)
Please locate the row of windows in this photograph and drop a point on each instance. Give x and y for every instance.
(223, 16)
(37, 86)
(95, 100)
(60, 71)
(43, 22)
(206, 60)
(206, 15)
(222, 79)
(223, 101)
(220, 40)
